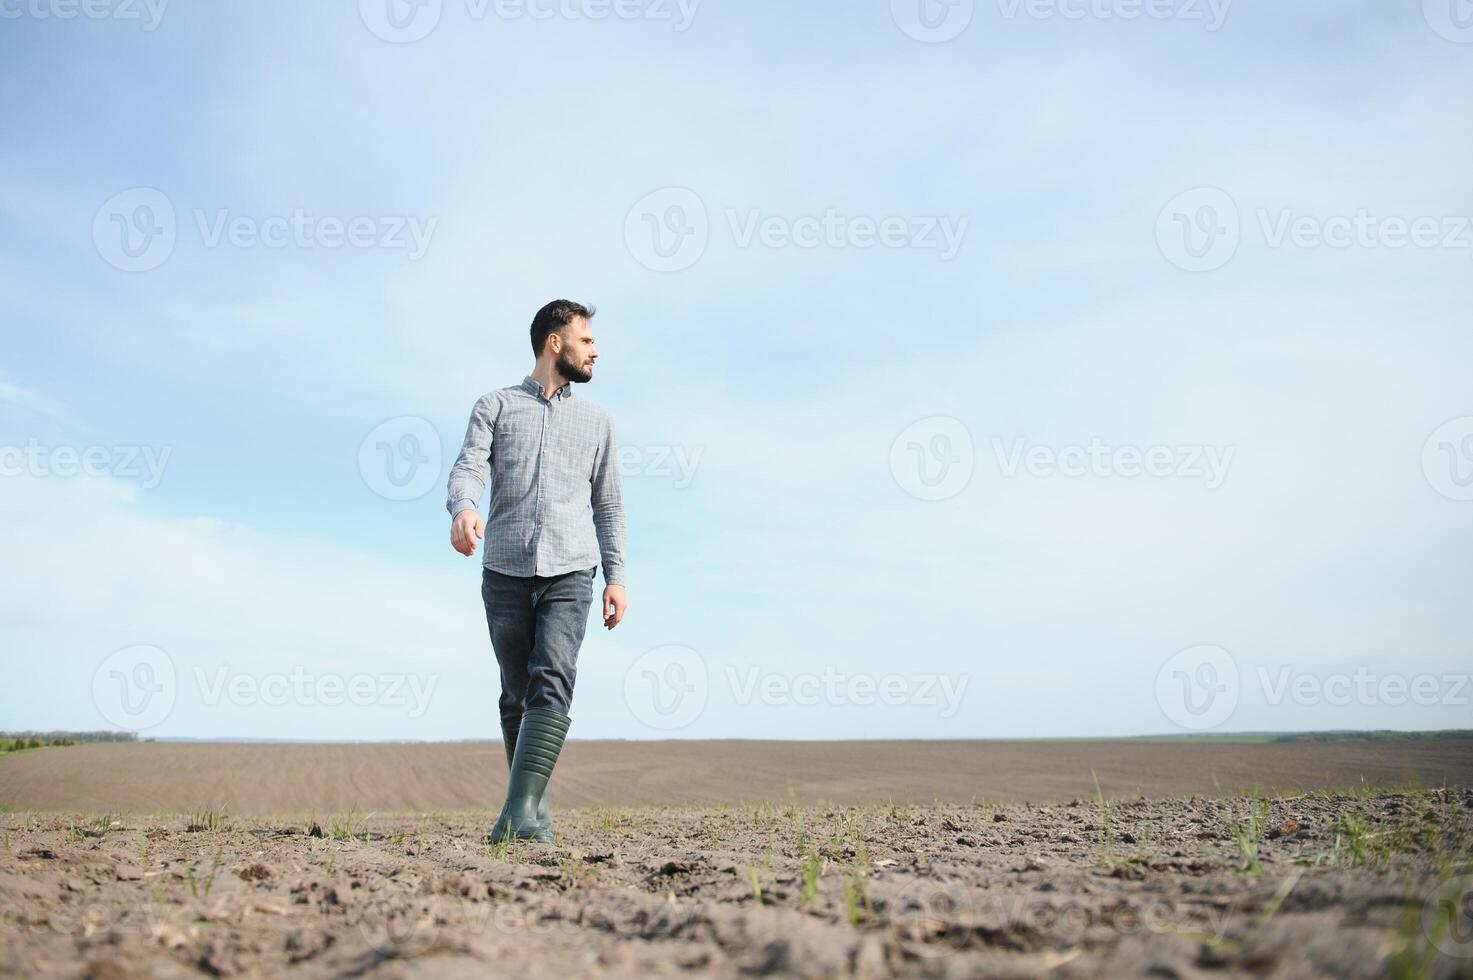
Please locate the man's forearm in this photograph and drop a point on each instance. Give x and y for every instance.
(607, 500)
(608, 523)
(611, 545)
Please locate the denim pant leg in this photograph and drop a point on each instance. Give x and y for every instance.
(513, 625)
(561, 603)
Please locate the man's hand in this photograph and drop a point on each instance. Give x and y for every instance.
(465, 530)
(614, 605)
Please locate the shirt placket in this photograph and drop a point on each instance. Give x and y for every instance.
(541, 482)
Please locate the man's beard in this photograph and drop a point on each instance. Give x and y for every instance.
(570, 370)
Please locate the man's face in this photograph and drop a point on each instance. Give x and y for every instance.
(575, 359)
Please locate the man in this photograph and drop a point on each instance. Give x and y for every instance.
(557, 512)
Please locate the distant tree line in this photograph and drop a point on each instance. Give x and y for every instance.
(1377, 735)
(18, 741)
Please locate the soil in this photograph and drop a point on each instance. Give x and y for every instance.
(243, 778)
(1370, 884)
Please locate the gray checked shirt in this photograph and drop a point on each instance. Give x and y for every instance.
(556, 501)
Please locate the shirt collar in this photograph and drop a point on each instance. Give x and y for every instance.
(534, 386)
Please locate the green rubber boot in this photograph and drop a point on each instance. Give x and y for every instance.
(538, 744)
(544, 813)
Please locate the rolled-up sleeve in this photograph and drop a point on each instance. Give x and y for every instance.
(607, 499)
(472, 469)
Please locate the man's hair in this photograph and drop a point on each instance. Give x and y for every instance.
(554, 316)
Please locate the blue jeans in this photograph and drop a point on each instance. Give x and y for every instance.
(537, 624)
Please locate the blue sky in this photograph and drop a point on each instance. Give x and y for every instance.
(799, 539)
